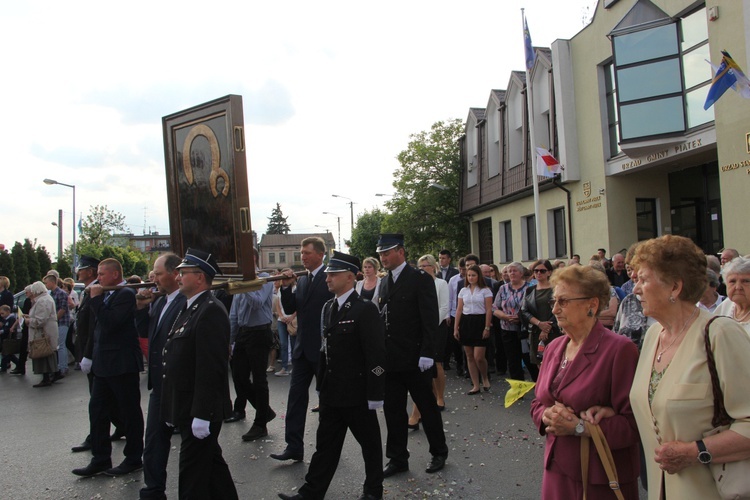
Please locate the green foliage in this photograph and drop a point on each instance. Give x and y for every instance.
(63, 268)
(425, 206)
(277, 222)
(43, 259)
(19, 264)
(133, 261)
(98, 226)
(32, 261)
(365, 234)
(6, 267)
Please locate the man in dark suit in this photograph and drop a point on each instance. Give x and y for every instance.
(158, 320)
(116, 364)
(409, 307)
(446, 271)
(307, 301)
(195, 381)
(351, 383)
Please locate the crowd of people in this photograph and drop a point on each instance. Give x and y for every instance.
(623, 348)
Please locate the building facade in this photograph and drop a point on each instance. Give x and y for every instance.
(278, 251)
(620, 105)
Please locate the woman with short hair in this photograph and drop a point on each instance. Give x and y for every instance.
(737, 304)
(42, 321)
(507, 308)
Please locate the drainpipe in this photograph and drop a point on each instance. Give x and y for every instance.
(556, 182)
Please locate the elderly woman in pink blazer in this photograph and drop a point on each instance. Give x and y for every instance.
(586, 374)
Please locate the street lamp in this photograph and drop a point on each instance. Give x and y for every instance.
(339, 220)
(351, 207)
(59, 225)
(51, 182)
(384, 194)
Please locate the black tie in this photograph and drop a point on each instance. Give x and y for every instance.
(390, 279)
(334, 307)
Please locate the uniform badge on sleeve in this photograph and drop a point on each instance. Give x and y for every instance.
(378, 371)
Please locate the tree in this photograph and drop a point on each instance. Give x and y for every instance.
(365, 235)
(277, 222)
(425, 206)
(6, 267)
(63, 268)
(32, 261)
(133, 261)
(44, 260)
(21, 268)
(99, 225)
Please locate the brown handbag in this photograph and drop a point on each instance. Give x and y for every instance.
(40, 348)
(605, 455)
(732, 478)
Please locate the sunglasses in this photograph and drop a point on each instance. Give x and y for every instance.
(543, 270)
(563, 302)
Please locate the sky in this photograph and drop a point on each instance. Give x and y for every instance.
(331, 91)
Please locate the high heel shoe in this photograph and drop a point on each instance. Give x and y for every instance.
(486, 388)
(414, 427)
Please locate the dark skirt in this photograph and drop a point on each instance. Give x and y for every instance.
(442, 340)
(471, 329)
(45, 365)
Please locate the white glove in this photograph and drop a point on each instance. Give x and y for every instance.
(85, 365)
(374, 405)
(200, 428)
(425, 364)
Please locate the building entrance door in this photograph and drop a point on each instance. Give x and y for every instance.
(695, 202)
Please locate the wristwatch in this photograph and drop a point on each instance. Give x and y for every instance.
(580, 428)
(704, 456)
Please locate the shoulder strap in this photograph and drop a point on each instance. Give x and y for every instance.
(605, 455)
(721, 417)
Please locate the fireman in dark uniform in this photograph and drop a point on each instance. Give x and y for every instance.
(351, 382)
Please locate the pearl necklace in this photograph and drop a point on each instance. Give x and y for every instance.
(742, 318)
(684, 327)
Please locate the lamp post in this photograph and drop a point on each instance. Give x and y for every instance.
(51, 182)
(351, 207)
(339, 221)
(59, 234)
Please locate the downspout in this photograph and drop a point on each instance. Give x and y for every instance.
(556, 182)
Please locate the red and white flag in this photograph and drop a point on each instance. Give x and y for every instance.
(546, 164)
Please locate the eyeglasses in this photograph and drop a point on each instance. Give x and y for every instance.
(543, 270)
(563, 302)
(422, 266)
(183, 272)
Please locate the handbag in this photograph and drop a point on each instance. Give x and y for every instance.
(291, 328)
(40, 348)
(605, 455)
(732, 478)
(11, 346)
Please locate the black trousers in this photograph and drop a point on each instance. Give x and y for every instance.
(512, 347)
(240, 402)
(203, 472)
(299, 396)
(453, 346)
(332, 427)
(120, 394)
(419, 385)
(156, 451)
(250, 358)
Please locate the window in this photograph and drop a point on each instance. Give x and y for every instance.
(272, 258)
(484, 229)
(556, 228)
(528, 233)
(659, 79)
(282, 257)
(645, 213)
(515, 114)
(297, 258)
(493, 140)
(506, 242)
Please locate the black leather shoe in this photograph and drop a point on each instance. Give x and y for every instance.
(57, 376)
(271, 415)
(117, 435)
(85, 446)
(315, 409)
(392, 468)
(18, 372)
(436, 464)
(92, 470)
(414, 427)
(235, 417)
(254, 433)
(123, 469)
(297, 496)
(287, 455)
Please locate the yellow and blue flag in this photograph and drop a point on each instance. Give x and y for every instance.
(528, 49)
(727, 75)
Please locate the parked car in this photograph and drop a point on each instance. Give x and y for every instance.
(20, 297)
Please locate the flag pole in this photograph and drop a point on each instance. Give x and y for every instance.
(530, 57)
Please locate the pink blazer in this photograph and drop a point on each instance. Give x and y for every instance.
(600, 374)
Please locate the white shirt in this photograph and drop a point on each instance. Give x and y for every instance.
(397, 272)
(452, 290)
(474, 300)
(443, 295)
(170, 299)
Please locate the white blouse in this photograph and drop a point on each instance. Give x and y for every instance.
(474, 302)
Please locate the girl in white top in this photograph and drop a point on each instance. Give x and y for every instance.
(472, 325)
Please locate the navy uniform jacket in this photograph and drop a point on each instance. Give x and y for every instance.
(195, 382)
(352, 361)
(410, 312)
(157, 333)
(307, 301)
(116, 350)
(85, 322)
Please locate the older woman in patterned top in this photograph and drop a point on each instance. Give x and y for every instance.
(507, 308)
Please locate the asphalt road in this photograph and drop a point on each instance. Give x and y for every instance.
(494, 452)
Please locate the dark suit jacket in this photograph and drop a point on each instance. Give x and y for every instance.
(307, 301)
(195, 381)
(601, 374)
(85, 321)
(452, 271)
(410, 312)
(116, 349)
(352, 364)
(157, 332)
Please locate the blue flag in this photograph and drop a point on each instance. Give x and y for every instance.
(530, 55)
(724, 79)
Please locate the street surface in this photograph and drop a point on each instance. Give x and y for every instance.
(494, 452)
